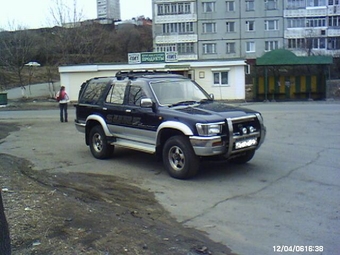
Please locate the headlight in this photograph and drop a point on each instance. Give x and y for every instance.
(209, 129)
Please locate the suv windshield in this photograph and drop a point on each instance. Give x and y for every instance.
(174, 92)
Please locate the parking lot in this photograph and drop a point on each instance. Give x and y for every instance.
(286, 198)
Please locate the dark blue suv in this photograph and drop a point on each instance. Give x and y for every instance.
(168, 115)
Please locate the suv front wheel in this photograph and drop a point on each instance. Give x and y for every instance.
(100, 149)
(179, 157)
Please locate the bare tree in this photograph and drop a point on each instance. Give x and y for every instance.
(16, 49)
(62, 14)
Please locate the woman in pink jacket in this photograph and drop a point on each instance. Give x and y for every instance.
(63, 99)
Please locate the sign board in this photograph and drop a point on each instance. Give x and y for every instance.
(171, 56)
(134, 58)
(152, 57)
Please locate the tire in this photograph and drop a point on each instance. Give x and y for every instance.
(179, 158)
(243, 158)
(99, 147)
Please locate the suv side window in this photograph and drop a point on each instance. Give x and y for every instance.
(116, 93)
(93, 92)
(135, 95)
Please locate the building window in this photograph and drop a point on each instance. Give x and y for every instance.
(296, 4)
(230, 27)
(316, 43)
(316, 3)
(316, 22)
(220, 78)
(334, 21)
(186, 27)
(333, 43)
(250, 47)
(230, 6)
(296, 22)
(297, 43)
(209, 48)
(178, 28)
(173, 9)
(271, 45)
(185, 48)
(270, 4)
(250, 5)
(166, 48)
(209, 28)
(230, 47)
(208, 7)
(333, 2)
(271, 25)
(250, 25)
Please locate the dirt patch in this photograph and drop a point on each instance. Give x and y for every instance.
(79, 213)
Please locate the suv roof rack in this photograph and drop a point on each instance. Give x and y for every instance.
(135, 74)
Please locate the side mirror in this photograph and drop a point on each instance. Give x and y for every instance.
(212, 96)
(146, 103)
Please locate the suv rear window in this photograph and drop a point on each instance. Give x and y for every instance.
(93, 92)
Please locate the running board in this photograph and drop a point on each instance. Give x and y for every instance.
(149, 148)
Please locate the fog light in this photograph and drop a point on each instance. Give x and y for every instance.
(252, 129)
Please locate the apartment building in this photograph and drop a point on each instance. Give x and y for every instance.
(312, 27)
(108, 9)
(175, 28)
(224, 29)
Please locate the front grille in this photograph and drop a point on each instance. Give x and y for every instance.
(251, 125)
(243, 131)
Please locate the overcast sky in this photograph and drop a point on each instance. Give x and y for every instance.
(36, 13)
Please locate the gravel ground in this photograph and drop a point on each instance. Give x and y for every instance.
(79, 213)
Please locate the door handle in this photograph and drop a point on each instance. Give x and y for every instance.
(127, 110)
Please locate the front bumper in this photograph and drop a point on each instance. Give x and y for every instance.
(231, 143)
(80, 126)
(208, 146)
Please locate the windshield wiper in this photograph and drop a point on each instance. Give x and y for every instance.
(187, 102)
(205, 100)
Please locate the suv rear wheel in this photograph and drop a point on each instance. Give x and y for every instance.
(179, 157)
(98, 143)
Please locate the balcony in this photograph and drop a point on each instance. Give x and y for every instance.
(333, 10)
(176, 38)
(175, 18)
(331, 32)
(309, 12)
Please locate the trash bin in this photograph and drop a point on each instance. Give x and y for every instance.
(3, 98)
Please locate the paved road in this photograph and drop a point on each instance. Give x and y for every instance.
(289, 194)
(33, 91)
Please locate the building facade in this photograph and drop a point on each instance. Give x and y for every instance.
(312, 27)
(108, 9)
(222, 29)
(223, 78)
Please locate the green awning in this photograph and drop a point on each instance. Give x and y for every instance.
(283, 57)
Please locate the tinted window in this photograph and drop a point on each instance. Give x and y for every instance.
(135, 95)
(116, 93)
(93, 92)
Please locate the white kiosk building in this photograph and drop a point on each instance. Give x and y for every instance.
(225, 79)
